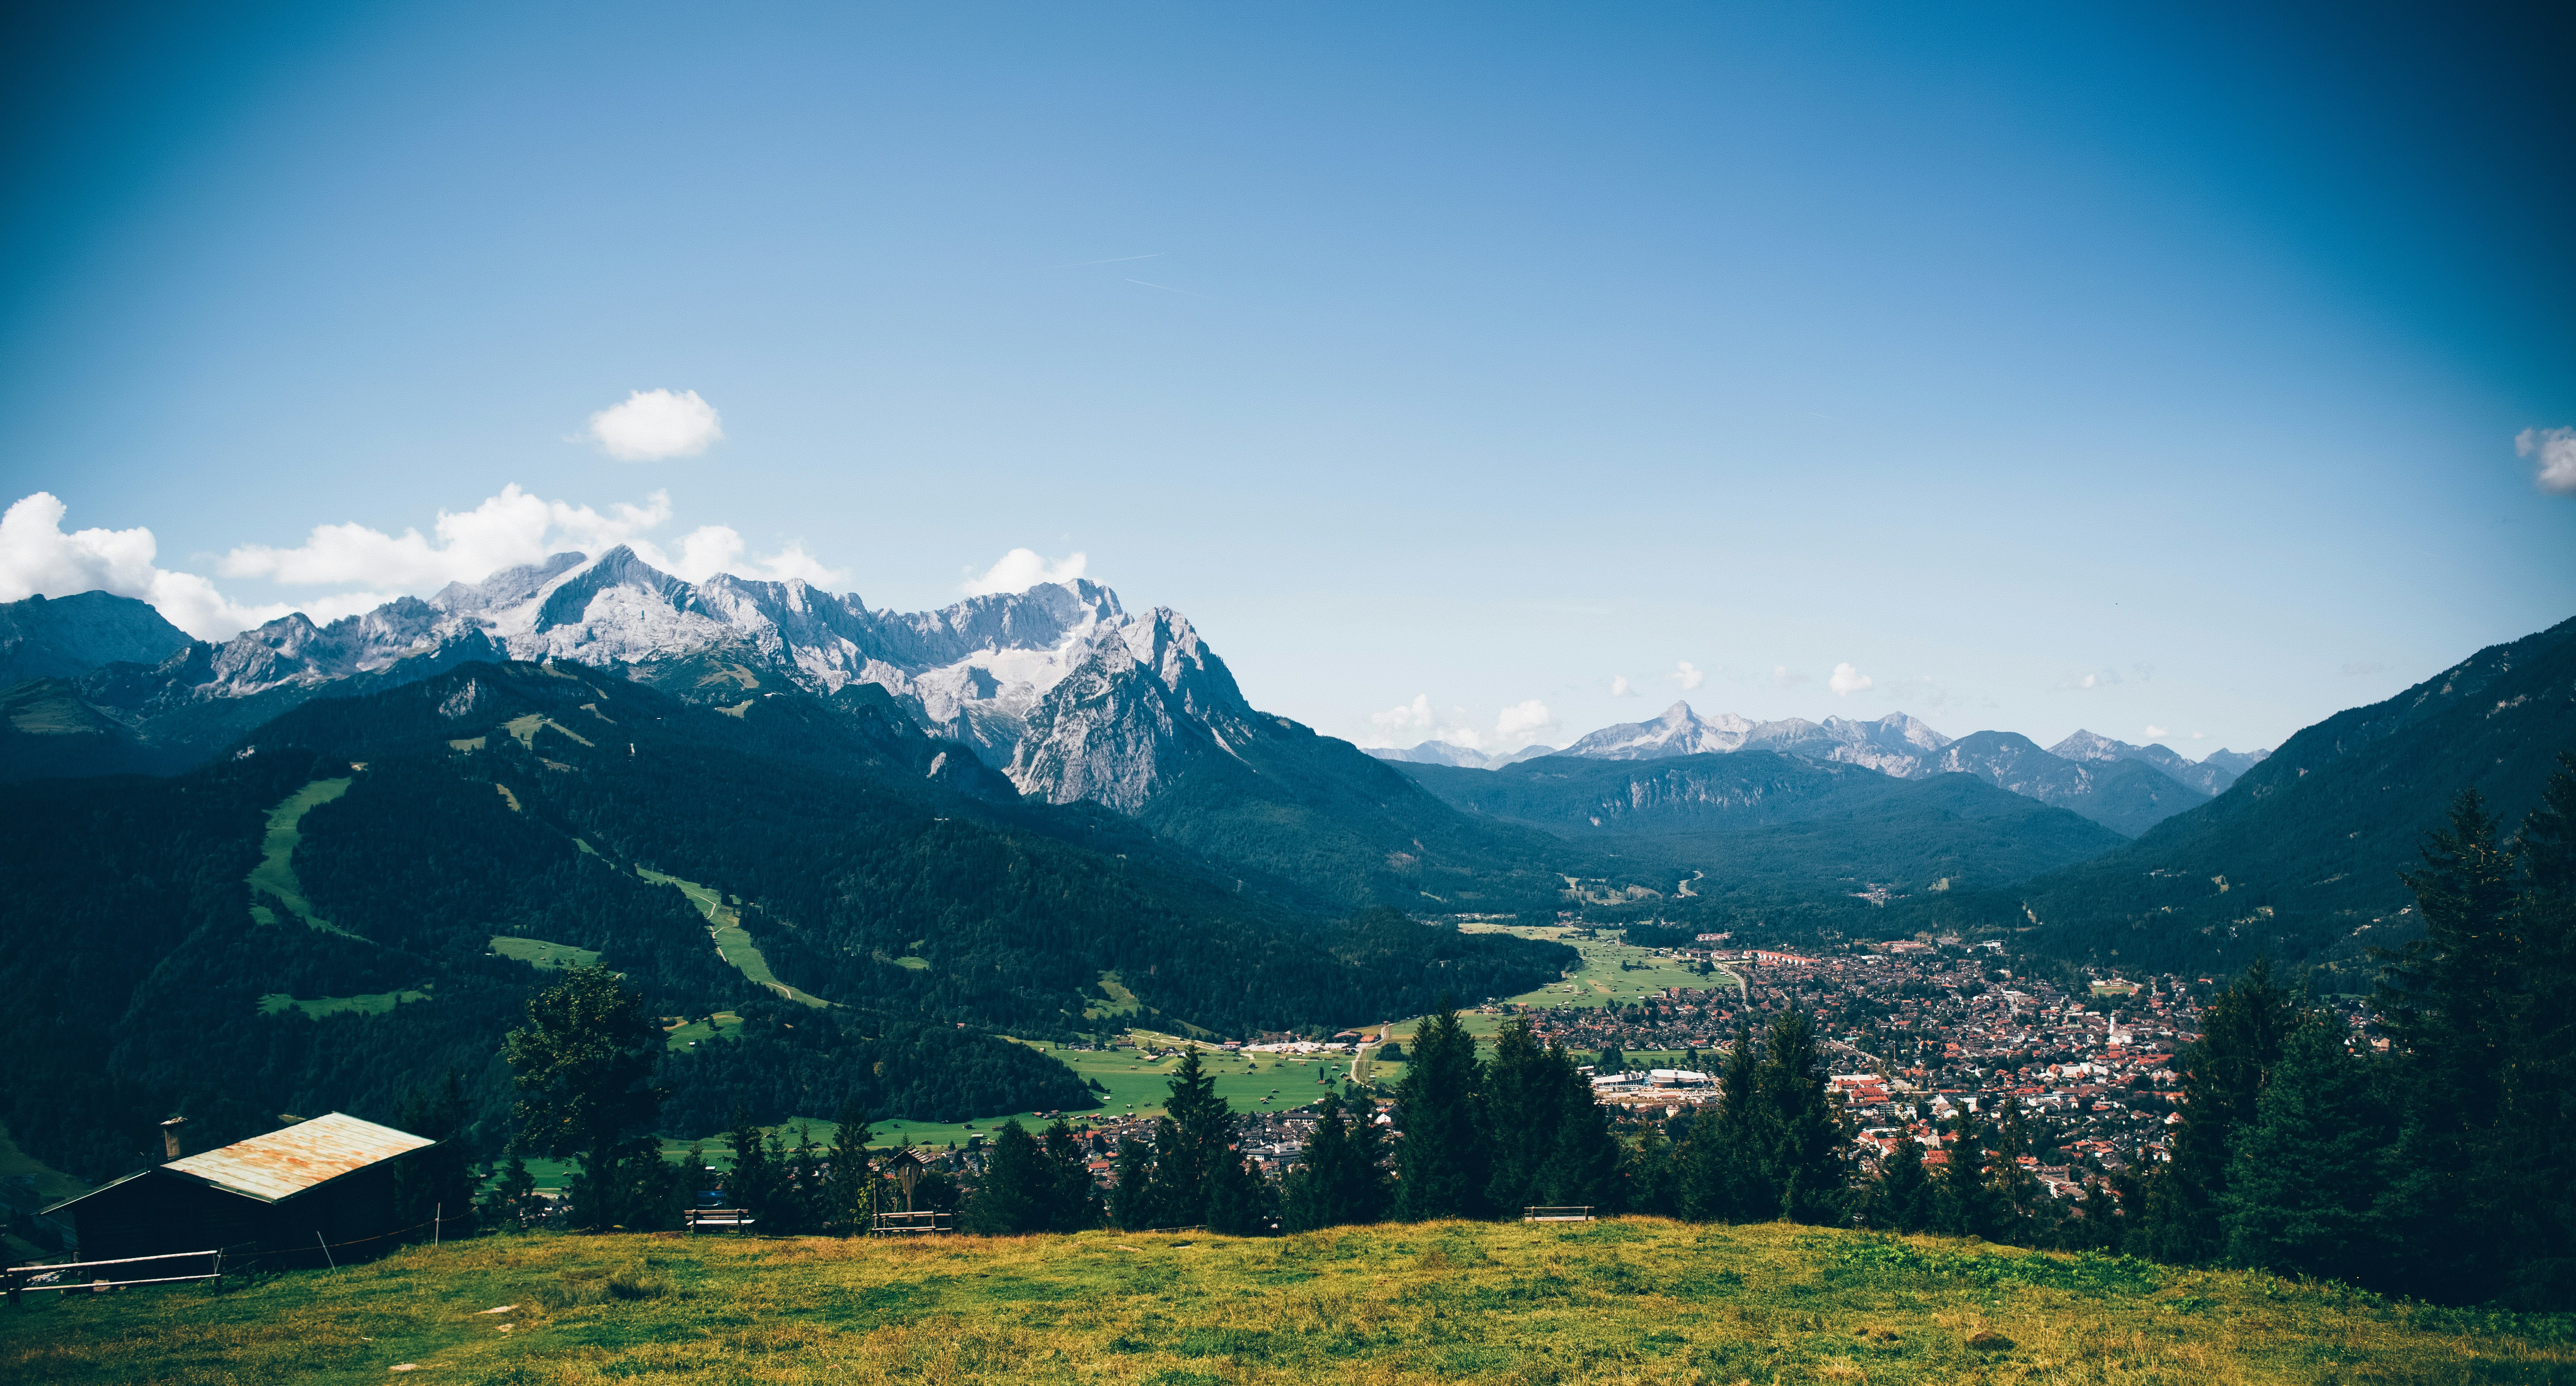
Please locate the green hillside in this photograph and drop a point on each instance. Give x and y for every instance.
(1633, 1300)
(1761, 829)
(436, 825)
(2299, 858)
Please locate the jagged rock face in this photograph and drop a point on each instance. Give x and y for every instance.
(1893, 745)
(1146, 700)
(1678, 732)
(974, 671)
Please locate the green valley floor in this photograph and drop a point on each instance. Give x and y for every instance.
(1636, 1300)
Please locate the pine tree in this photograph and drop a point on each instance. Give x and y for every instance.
(2311, 1172)
(1193, 1149)
(1584, 1159)
(1902, 1200)
(1442, 1163)
(2242, 1034)
(2544, 1273)
(1072, 1204)
(750, 1183)
(847, 1188)
(1967, 1197)
(1649, 1179)
(1521, 1113)
(1131, 1200)
(1800, 1134)
(1336, 1181)
(1011, 1198)
(1721, 1161)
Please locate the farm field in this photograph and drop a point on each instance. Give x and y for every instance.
(1632, 1301)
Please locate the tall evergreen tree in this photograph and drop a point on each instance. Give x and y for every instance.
(1131, 1199)
(1072, 1205)
(1902, 1200)
(1193, 1151)
(1337, 1180)
(2307, 1192)
(1442, 1166)
(1649, 1175)
(2544, 1276)
(1801, 1135)
(1721, 1160)
(2223, 1073)
(1522, 1108)
(849, 1187)
(1967, 1195)
(1012, 1196)
(2480, 1015)
(752, 1181)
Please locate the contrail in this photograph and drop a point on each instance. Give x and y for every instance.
(1165, 288)
(1115, 260)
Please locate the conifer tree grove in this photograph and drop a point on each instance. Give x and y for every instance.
(1799, 1134)
(1442, 1163)
(2306, 1192)
(2242, 1034)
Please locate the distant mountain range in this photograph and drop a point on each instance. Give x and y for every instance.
(2125, 788)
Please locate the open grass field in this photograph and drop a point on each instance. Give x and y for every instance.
(540, 954)
(1631, 1301)
(716, 1026)
(275, 874)
(731, 941)
(373, 1003)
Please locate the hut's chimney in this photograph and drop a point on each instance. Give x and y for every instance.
(170, 1142)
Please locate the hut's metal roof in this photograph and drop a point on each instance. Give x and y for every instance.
(284, 1163)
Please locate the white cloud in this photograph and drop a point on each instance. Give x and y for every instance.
(37, 557)
(1021, 569)
(1846, 680)
(1410, 724)
(2156, 733)
(2554, 450)
(654, 424)
(1688, 677)
(1782, 678)
(504, 531)
(1620, 688)
(1524, 721)
(463, 546)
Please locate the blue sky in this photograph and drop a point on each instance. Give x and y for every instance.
(2121, 369)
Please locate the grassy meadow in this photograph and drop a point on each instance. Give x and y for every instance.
(1623, 1301)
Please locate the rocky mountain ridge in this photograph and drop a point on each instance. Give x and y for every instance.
(2123, 787)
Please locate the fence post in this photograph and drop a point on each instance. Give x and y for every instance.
(437, 1217)
(326, 1249)
(13, 1290)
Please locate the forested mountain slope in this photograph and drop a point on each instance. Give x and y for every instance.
(866, 863)
(2299, 858)
(1777, 823)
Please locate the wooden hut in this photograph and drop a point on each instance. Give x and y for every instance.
(320, 1191)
